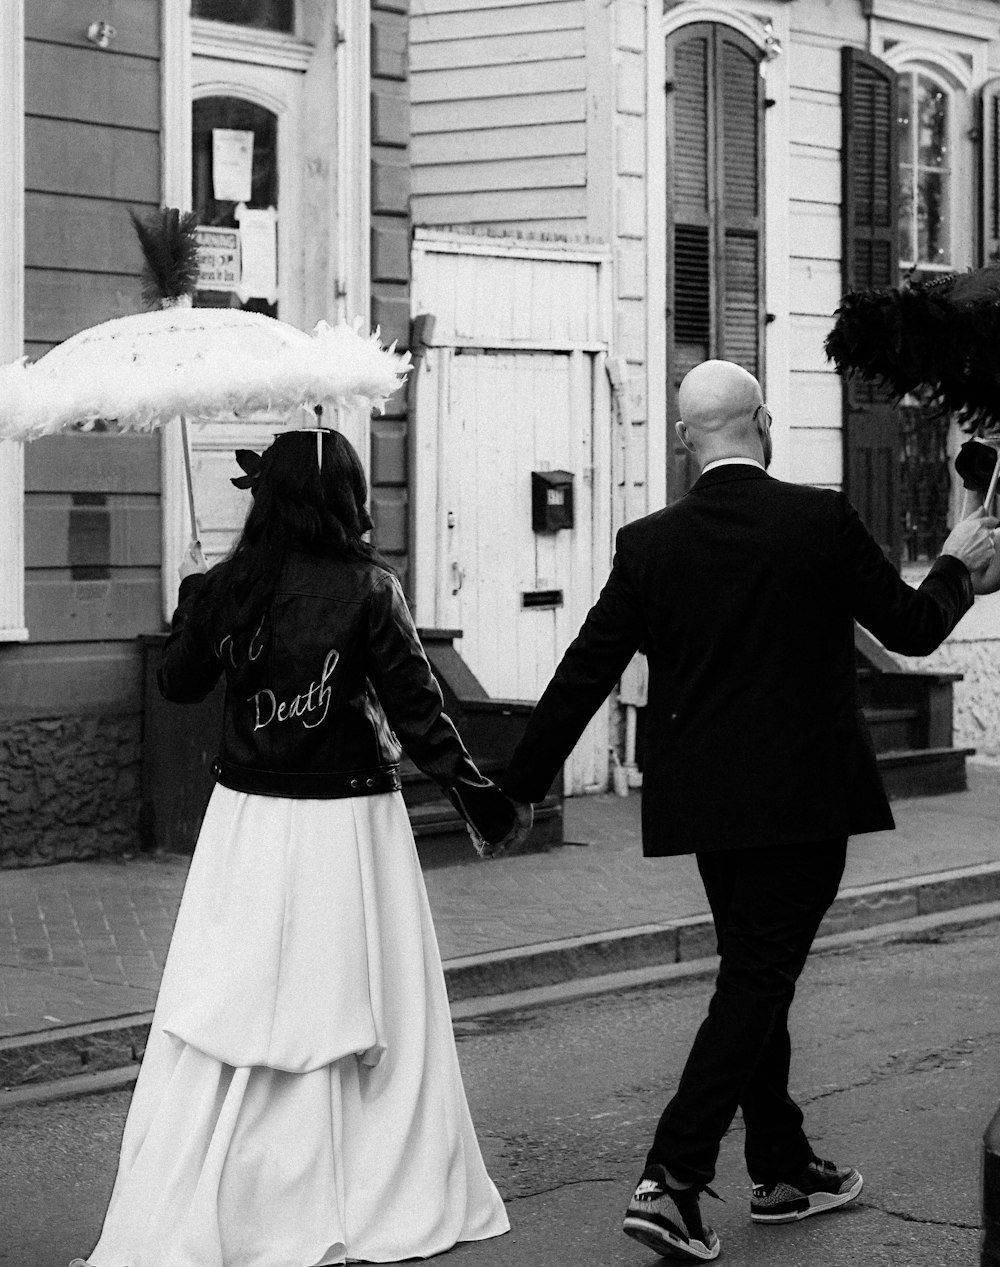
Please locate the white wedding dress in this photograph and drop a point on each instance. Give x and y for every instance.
(300, 1100)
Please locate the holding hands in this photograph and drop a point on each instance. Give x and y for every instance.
(515, 838)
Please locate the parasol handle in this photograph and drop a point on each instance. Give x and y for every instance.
(991, 491)
(190, 481)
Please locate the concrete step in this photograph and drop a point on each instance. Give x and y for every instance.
(923, 771)
(895, 729)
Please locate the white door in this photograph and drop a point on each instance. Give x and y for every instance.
(494, 404)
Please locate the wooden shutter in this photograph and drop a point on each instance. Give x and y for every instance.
(870, 214)
(714, 159)
(989, 244)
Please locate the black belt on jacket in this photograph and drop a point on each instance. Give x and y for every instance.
(312, 785)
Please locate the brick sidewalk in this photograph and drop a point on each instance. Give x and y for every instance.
(83, 942)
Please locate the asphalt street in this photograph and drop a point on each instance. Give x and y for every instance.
(897, 1060)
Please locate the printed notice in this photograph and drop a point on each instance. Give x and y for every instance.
(232, 165)
(218, 258)
(259, 242)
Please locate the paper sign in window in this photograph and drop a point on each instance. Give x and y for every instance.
(259, 250)
(232, 164)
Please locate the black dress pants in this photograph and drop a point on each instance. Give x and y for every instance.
(766, 904)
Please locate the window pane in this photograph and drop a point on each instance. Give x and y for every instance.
(932, 218)
(932, 133)
(904, 119)
(243, 116)
(272, 15)
(906, 214)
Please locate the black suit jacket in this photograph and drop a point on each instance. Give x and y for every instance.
(743, 595)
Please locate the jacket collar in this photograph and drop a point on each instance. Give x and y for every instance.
(728, 473)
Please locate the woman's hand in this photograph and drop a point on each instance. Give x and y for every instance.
(194, 561)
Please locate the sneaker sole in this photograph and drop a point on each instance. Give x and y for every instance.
(819, 1203)
(665, 1245)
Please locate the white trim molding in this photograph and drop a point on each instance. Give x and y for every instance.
(12, 626)
(352, 232)
(247, 44)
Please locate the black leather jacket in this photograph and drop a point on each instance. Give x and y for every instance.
(328, 691)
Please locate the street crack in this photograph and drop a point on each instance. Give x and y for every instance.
(912, 1218)
(567, 1183)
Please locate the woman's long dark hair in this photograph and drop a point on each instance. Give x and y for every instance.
(297, 506)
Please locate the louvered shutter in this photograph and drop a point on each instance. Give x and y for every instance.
(714, 158)
(989, 99)
(870, 167)
(741, 92)
(690, 298)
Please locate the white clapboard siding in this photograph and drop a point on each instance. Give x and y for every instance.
(814, 231)
(520, 79)
(808, 336)
(498, 105)
(429, 27)
(815, 119)
(814, 174)
(563, 171)
(816, 286)
(814, 397)
(817, 456)
(480, 145)
(483, 114)
(519, 208)
(497, 50)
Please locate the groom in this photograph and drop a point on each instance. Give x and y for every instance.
(744, 596)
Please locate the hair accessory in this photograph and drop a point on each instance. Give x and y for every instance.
(251, 463)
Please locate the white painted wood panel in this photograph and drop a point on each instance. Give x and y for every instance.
(492, 20)
(815, 119)
(817, 456)
(814, 231)
(487, 415)
(815, 398)
(498, 143)
(485, 113)
(496, 50)
(816, 286)
(815, 176)
(12, 311)
(560, 171)
(814, 65)
(807, 337)
(500, 81)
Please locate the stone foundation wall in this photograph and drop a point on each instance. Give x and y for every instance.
(69, 788)
(977, 696)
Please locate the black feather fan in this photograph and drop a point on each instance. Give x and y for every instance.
(170, 251)
(939, 339)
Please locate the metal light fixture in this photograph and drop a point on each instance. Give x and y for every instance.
(772, 45)
(101, 34)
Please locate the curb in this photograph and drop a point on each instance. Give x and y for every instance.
(73, 1059)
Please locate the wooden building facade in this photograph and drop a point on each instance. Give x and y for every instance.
(745, 164)
(99, 117)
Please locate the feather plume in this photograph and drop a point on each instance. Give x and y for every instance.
(939, 339)
(170, 252)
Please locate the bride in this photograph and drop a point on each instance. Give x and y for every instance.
(300, 1100)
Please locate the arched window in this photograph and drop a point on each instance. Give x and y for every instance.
(210, 114)
(714, 209)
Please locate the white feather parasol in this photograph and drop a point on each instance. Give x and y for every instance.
(143, 370)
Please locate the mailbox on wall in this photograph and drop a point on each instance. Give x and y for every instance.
(551, 500)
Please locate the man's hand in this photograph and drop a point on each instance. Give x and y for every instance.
(515, 838)
(987, 579)
(193, 561)
(971, 541)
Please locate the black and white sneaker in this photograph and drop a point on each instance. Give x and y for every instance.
(669, 1221)
(819, 1187)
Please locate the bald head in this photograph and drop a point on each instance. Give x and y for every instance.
(717, 402)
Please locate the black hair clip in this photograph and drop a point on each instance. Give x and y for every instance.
(249, 462)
